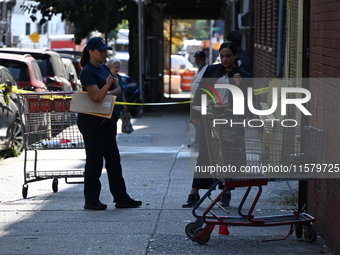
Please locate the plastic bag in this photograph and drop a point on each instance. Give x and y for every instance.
(126, 123)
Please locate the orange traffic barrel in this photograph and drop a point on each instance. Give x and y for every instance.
(187, 78)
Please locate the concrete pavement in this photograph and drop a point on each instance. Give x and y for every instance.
(156, 163)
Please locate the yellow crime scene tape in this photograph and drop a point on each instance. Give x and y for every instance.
(167, 103)
(2, 86)
(261, 91)
(53, 97)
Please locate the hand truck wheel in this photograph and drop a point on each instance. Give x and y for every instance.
(310, 233)
(24, 190)
(190, 229)
(202, 239)
(55, 185)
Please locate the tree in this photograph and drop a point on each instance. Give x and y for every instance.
(85, 15)
(92, 15)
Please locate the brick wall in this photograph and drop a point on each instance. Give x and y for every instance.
(265, 38)
(323, 195)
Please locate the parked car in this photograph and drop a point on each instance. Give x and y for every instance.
(25, 71)
(179, 63)
(72, 72)
(51, 67)
(10, 126)
(74, 56)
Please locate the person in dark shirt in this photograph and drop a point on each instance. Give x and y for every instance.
(230, 73)
(100, 133)
(244, 62)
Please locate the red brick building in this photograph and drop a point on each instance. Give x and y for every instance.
(301, 38)
(324, 194)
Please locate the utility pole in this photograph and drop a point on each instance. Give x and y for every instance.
(6, 7)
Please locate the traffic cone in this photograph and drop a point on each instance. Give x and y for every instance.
(223, 230)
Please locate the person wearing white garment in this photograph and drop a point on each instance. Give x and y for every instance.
(200, 61)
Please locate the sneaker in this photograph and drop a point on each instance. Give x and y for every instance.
(128, 203)
(96, 206)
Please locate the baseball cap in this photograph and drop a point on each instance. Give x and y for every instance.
(97, 43)
(200, 54)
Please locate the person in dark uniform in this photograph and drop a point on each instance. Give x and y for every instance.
(99, 133)
(229, 72)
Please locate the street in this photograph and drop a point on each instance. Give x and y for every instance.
(155, 162)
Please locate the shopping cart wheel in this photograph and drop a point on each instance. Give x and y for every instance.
(310, 233)
(24, 190)
(190, 229)
(298, 230)
(203, 238)
(55, 185)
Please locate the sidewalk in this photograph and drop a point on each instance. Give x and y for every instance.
(155, 162)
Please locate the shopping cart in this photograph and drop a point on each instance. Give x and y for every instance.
(253, 148)
(48, 124)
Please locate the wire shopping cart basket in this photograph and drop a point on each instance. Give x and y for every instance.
(244, 154)
(48, 124)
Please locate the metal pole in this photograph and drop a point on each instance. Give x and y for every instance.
(140, 49)
(211, 43)
(279, 60)
(170, 52)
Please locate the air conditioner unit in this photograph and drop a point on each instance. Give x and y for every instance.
(243, 20)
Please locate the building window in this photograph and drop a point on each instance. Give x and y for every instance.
(28, 28)
(42, 29)
(15, 39)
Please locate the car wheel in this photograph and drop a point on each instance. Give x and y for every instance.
(18, 140)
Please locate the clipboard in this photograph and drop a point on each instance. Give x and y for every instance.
(82, 103)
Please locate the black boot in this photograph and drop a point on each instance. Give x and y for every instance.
(225, 200)
(192, 200)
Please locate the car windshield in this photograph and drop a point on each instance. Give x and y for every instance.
(18, 69)
(44, 63)
(36, 71)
